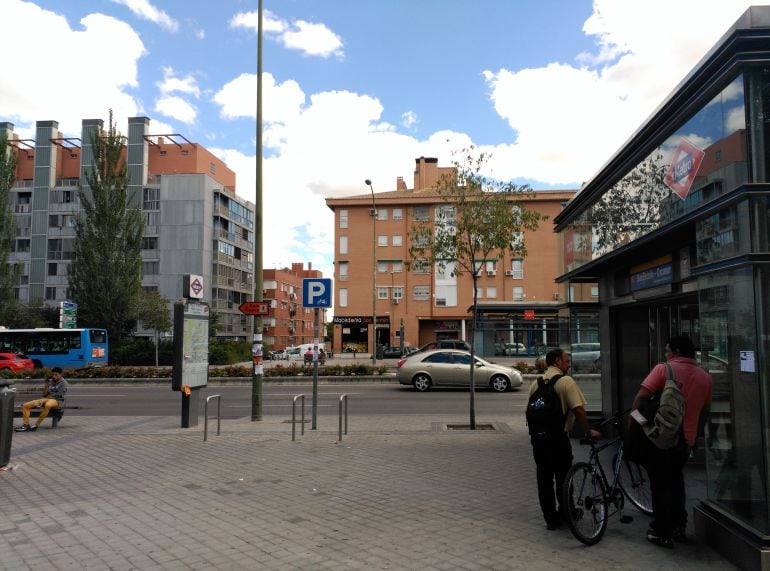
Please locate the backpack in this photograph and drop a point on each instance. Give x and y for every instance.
(544, 410)
(665, 414)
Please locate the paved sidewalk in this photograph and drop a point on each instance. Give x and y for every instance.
(399, 492)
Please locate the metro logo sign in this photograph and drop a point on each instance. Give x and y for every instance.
(684, 166)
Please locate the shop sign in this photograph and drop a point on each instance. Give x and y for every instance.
(684, 166)
(654, 273)
(529, 314)
(360, 320)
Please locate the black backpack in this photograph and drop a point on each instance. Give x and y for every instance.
(544, 411)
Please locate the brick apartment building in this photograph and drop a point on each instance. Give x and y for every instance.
(289, 323)
(519, 301)
(194, 222)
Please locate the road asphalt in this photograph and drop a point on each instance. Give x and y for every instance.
(397, 492)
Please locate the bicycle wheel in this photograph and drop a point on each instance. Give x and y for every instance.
(635, 483)
(584, 503)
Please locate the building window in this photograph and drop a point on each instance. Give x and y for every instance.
(343, 244)
(343, 218)
(421, 293)
(382, 240)
(420, 267)
(382, 214)
(22, 245)
(594, 291)
(398, 214)
(479, 293)
(151, 218)
(518, 241)
(397, 240)
(422, 213)
(343, 266)
(150, 268)
(517, 269)
(212, 168)
(150, 198)
(518, 293)
(52, 269)
(150, 243)
(382, 293)
(50, 293)
(382, 267)
(398, 292)
(61, 249)
(491, 267)
(491, 292)
(398, 266)
(343, 297)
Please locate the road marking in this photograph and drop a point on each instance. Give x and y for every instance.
(271, 405)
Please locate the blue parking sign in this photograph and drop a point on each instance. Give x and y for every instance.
(317, 292)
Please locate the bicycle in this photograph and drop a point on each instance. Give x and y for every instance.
(588, 497)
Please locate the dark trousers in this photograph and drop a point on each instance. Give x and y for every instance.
(666, 471)
(553, 458)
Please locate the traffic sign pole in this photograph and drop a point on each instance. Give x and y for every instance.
(315, 366)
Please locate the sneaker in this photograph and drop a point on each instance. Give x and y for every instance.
(25, 428)
(654, 538)
(680, 535)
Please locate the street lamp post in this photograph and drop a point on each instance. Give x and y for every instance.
(374, 273)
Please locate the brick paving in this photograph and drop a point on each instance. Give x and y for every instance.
(399, 492)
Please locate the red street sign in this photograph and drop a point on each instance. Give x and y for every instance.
(255, 307)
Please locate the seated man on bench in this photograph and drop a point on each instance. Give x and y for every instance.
(53, 397)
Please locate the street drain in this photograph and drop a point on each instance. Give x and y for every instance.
(468, 426)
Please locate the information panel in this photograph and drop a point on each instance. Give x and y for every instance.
(191, 345)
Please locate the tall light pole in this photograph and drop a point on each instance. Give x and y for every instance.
(256, 351)
(374, 273)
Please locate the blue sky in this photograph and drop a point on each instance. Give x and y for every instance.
(357, 89)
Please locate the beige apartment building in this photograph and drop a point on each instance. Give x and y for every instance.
(519, 301)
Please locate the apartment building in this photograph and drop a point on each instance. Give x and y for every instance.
(289, 323)
(519, 302)
(194, 221)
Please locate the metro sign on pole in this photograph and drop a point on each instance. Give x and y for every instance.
(317, 292)
(255, 307)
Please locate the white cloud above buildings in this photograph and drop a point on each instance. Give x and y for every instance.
(565, 118)
(147, 11)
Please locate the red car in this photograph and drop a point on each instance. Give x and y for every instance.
(15, 362)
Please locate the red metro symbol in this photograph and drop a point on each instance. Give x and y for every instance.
(196, 286)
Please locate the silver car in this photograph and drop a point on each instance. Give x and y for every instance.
(451, 368)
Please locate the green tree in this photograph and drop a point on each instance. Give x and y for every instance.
(481, 219)
(8, 273)
(154, 314)
(105, 276)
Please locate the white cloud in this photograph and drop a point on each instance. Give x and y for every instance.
(307, 37)
(174, 84)
(569, 120)
(409, 119)
(177, 108)
(146, 11)
(108, 73)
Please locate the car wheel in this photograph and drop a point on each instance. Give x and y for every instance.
(5, 369)
(499, 384)
(421, 382)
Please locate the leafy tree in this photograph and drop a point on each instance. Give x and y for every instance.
(154, 314)
(481, 219)
(105, 276)
(8, 273)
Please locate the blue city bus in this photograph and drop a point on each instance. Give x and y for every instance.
(66, 348)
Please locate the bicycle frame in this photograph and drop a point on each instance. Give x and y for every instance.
(613, 490)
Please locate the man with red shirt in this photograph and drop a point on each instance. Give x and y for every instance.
(666, 467)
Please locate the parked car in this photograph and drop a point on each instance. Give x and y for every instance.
(279, 355)
(391, 352)
(586, 358)
(15, 362)
(514, 349)
(446, 344)
(451, 368)
(293, 353)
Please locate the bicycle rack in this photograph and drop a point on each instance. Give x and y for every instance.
(206, 415)
(294, 417)
(343, 398)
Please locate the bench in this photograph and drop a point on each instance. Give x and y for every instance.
(28, 393)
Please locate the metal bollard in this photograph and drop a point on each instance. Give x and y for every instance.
(294, 417)
(206, 416)
(343, 398)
